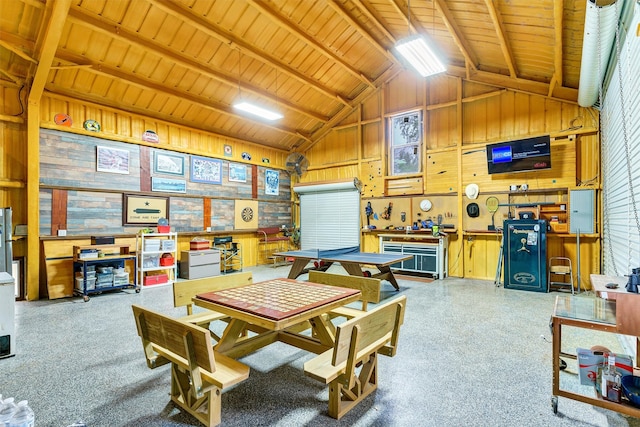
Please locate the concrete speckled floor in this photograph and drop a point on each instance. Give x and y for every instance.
(470, 354)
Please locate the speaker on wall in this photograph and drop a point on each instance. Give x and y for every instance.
(582, 211)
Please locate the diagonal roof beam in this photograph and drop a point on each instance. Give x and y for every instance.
(460, 41)
(230, 39)
(299, 32)
(558, 17)
(112, 30)
(201, 102)
(496, 19)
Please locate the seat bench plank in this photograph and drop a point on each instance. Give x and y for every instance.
(351, 367)
(198, 373)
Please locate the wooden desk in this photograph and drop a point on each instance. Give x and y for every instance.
(590, 313)
(276, 310)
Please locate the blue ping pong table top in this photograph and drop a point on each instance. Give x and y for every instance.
(353, 256)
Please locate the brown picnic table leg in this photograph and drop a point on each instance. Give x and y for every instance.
(298, 267)
(387, 274)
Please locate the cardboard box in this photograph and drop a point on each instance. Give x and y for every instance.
(589, 361)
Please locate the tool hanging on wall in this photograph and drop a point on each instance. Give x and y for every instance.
(387, 211)
(368, 211)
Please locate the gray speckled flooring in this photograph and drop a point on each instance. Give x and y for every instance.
(470, 354)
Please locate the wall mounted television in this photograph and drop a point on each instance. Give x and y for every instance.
(523, 155)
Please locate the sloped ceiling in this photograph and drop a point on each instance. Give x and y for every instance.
(188, 61)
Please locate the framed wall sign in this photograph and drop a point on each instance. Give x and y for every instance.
(144, 210)
(168, 163)
(112, 160)
(168, 185)
(271, 182)
(237, 172)
(206, 170)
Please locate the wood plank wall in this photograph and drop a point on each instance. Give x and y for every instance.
(459, 120)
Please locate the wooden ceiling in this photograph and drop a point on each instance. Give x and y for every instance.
(188, 61)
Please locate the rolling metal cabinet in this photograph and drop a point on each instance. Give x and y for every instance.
(199, 264)
(525, 255)
(429, 253)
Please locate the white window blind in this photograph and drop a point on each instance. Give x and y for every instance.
(621, 160)
(329, 215)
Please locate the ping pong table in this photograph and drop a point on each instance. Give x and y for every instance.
(351, 260)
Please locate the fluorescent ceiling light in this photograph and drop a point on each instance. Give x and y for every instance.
(258, 111)
(420, 56)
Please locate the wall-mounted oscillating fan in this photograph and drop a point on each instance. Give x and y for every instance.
(297, 164)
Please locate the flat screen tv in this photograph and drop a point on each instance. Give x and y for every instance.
(523, 155)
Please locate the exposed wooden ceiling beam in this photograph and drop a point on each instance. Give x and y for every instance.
(17, 51)
(375, 20)
(300, 34)
(460, 41)
(129, 78)
(230, 39)
(338, 8)
(518, 84)
(496, 19)
(49, 43)
(558, 15)
(112, 30)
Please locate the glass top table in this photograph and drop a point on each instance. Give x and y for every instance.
(584, 308)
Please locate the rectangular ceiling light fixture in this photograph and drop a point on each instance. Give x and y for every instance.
(257, 111)
(420, 56)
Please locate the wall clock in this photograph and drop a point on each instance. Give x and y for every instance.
(425, 205)
(247, 214)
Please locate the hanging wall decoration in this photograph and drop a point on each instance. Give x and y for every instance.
(237, 172)
(168, 163)
(62, 119)
(112, 160)
(271, 182)
(208, 171)
(228, 151)
(150, 136)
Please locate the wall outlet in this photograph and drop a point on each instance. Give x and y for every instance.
(62, 233)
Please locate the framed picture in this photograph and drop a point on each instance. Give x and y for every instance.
(144, 210)
(112, 160)
(406, 128)
(168, 163)
(237, 173)
(206, 170)
(168, 185)
(406, 142)
(271, 182)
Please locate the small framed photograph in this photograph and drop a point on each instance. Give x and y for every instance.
(167, 185)
(237, 172)
(208, 171)
(144, 210)
(112, 160)
(168, 163)
(271, 182)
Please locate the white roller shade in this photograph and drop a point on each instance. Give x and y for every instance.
(329, 215)
(621, 159)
